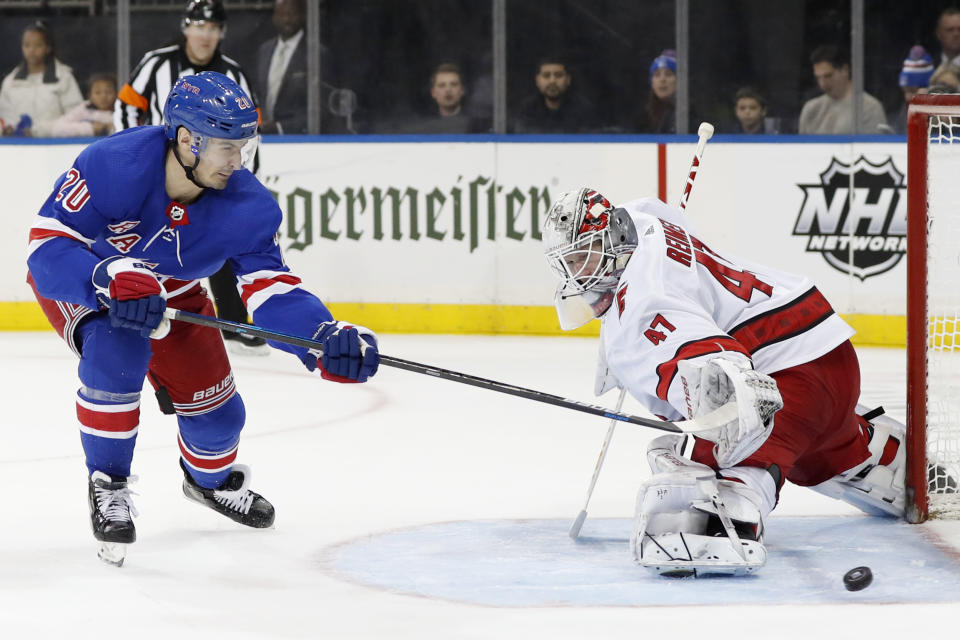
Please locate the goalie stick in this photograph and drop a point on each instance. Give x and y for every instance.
(705, 132)
(582, 516)
(712, 420)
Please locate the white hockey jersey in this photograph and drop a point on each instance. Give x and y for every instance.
(679, 300)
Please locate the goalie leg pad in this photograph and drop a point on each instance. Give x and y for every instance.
(690, 523)
(876, 485)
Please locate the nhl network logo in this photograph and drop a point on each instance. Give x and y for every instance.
(863, 235)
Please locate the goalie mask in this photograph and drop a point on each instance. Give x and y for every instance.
(587, 243)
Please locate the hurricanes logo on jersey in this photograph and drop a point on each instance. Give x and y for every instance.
(863, 235)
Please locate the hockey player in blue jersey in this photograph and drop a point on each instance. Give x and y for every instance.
(134, 225)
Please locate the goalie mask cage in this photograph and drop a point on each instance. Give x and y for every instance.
(933, 307)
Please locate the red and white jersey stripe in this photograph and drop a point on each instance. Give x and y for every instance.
(115, 421)
(45, 229)
(259, 286)
(209, 399)
(207, 462)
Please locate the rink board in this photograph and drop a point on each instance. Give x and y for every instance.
(443, 235)
(533, 563)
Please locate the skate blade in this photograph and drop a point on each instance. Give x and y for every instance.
(695, 569)
(112, 553)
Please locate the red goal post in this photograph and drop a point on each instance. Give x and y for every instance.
(933, 307)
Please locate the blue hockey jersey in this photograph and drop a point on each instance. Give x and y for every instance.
(113, 201)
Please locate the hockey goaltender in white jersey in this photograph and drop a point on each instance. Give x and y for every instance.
(685, 330)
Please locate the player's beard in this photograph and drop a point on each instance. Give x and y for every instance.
(553, 91)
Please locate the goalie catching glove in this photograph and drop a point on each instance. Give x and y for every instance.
(348, 353)
(134, 296)
(712, 384)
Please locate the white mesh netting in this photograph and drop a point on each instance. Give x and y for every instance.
(943, 307)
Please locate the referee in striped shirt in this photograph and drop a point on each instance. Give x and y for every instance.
(141, 101)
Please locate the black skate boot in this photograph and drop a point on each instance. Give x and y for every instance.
(111, 511)
(244, 345)
(233, 499)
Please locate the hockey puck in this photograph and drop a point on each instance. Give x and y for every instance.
(857, 578)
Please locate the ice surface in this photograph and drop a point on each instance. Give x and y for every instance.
(387, 493)
(522, 563)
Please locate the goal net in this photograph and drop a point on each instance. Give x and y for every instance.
(933, 308)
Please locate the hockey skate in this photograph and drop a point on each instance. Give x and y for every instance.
(876, 485)
(690, 523)
(111, 511)
(232, 499)
(244, 345)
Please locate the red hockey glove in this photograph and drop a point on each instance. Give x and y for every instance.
(133, 295)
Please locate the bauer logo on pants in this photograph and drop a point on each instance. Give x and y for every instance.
(863, 232)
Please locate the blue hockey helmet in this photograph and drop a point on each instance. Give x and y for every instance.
(210, 104)
(212, 107)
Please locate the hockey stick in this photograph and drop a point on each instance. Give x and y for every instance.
(705, 132)
(582, 516)
(712, 420)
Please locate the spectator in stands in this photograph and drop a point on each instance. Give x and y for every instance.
(282, 70)
(141, 102)
(832, 112)
(93, 117)
(39, 90)
(914, 78)
(751, 110)
(447, 90)
(660, 111)
(948, 33)
(282, 79)
(946, 79)
(554, 108)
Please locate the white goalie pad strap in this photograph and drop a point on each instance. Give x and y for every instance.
(711, 384)
(672, 512)
(759, 482)
(732, 501)
(665, 455)
(687, 554)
